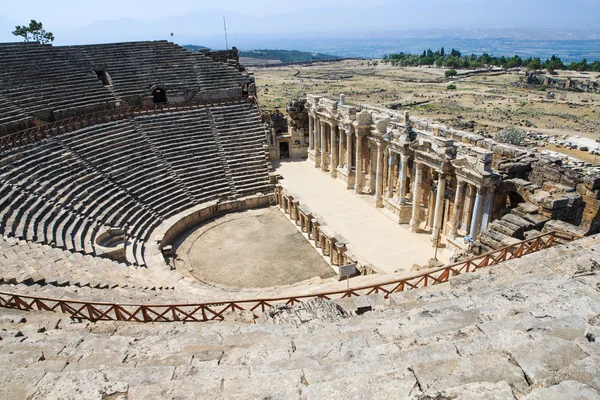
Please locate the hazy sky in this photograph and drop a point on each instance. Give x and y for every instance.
(76, 13)
(201, 22)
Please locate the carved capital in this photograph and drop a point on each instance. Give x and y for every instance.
(382, 124)
(364, 118)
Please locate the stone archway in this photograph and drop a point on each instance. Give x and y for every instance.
(505, 202)
(159, 95)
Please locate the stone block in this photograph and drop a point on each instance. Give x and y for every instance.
(557, 353)
(505, 227)
(555, 203)
(538, 196)
(592, 182)
(564, 390)
(476, 391)
(555, 225)
(516, 220)
(484, 367)
(531, 234)
(527, 208)
(593, 194)
(586, 371)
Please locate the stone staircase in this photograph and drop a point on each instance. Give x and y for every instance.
(158, 154)
(524, 329)
(221, 152)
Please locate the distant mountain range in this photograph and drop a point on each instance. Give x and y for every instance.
(528, 28)
(545, 19)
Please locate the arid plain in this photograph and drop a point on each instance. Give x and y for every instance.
(484, 102)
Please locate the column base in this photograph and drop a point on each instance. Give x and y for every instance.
(379, 202)
(358, 183)
(347, 176)
(413, 226)
(401, 214)
(317, 155)
(434, 242)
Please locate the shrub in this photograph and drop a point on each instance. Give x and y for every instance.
(451, 87)
(450, 73)
(511, 135)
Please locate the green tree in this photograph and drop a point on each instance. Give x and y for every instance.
(450, 73)
(534, 65)
(34, 32)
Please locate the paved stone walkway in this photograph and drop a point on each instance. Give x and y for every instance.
(372, 235)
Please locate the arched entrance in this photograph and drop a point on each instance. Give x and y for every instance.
(159, 95)
(513, 199)
(284, 150)
(506, 202)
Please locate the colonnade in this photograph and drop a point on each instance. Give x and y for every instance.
(334, 146)
(466, 203)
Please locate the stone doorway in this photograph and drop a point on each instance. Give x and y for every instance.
(505, 203)
(159, 95)
(103, 77)
(284, 150)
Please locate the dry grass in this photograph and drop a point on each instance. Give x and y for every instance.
(491, 101)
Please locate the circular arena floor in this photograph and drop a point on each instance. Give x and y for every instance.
(251, 249)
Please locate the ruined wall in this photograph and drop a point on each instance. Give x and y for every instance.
(223, 56)
(584, 85)
(298, 128)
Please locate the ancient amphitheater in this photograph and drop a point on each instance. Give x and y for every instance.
(162, 237)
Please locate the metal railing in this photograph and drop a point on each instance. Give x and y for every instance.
(98, 311)
(37, 133)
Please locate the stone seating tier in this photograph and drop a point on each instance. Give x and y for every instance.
(50, 83)
(130, 174)
(525, 329)
(28, 263)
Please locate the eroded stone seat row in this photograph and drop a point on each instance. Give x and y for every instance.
(481, 334)
(50, 83)
(75, 190)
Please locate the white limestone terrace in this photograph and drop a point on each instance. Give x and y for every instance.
(524, 329)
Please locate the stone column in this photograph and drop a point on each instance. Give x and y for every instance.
(458, 207)
(379, 176)
(349, 150)
(487, 209)
(323, 145)
(468, 207)
(476, 218)
(403, 168)
(439, 208)
(340, 159)
(390, 180)
(414, 221)
(430, 208)
(359, 164)
(311, 132)
(334, 154)
(317, 142)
